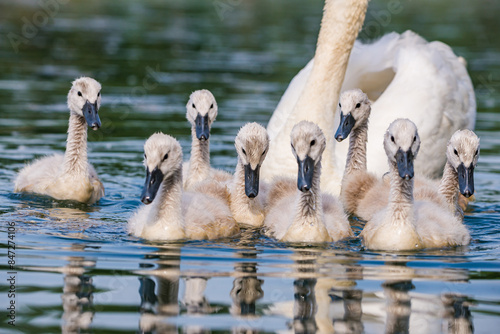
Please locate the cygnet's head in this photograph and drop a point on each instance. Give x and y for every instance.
(401, 143)
(201, 111)
(252, 144)
(162, 159)
(84, 99)
(462, 153)
(355, 108)
(308, 143)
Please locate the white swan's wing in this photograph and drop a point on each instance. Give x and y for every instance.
(371, 66)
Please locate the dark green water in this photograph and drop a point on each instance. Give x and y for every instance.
(78, 271)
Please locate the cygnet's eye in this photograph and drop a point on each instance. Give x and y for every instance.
(358, 105)
(456, 153)
(414, 138)
(340, 106)
(392, 139)
(243, 150)
(211, 106)
(79, 93)
(193, 106)
(264, 152)
(477, 151)
(145, 157)
(165, 157)
(99, 94)
(313, 142)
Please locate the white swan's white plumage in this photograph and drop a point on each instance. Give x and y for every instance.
(69, 176)
(403, 75)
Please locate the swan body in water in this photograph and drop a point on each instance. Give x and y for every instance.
(308, 215)
(403, 75)
(170, 213)
(406, 224)
(69, 176)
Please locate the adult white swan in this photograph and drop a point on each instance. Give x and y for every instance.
(403, 75)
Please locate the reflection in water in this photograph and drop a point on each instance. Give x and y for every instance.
(247, 289)
(77, 293)
(194, 299)
(304, 310)
(398, 306)
(159, 298)
(195, 302)
(322, 304)
(404, 311)
(457, 316)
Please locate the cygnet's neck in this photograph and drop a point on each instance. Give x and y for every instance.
(75, 157)
(168, 205)
(356, 156)
(400, 198)
(310, 208)
(199, 162)
(448, 187)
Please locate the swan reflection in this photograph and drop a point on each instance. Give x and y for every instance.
(77, 297)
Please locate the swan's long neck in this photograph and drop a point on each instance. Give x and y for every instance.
(310, 208)
(75, 157)
(199, 162)
(400, 198)
(169, 203)
(448, 187)
(356, 156)
(341, 22)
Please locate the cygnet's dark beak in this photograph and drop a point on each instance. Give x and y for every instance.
(466, 179)
(345, 126)
(404, 161)
(151, 186)
(90, 113)
(306, 171)
(202, 128)
(252, 180)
